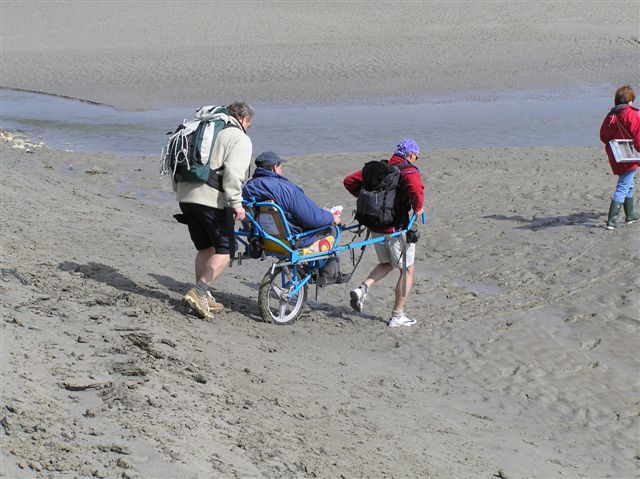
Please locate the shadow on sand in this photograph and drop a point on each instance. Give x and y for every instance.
(108, 275)
(232, 302)
(590, 219)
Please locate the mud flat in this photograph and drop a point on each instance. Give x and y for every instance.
(523, 363)
(142, 55)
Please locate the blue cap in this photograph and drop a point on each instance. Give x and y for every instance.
(406, 146)
(268, 158)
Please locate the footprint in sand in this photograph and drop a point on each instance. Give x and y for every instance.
(589, 345)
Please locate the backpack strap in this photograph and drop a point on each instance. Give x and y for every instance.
(215, 179)
(231, 125)
(621, 128)
(406, 165)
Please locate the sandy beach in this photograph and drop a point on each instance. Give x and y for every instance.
(524, 361)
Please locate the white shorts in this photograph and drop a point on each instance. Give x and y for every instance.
(390, 250)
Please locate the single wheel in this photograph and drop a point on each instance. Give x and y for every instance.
(273, 302)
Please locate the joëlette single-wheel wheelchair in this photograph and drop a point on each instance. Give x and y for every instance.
(283, 290)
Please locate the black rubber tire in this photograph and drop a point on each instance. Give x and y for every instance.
(267, 294)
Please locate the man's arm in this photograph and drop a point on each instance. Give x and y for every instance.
(415, 189)
(236, 165)
(353, 182)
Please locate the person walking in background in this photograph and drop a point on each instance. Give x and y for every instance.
(410, 195)
(622, 122)
(203, 207)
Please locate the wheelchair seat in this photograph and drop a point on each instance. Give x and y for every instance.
(273, 222)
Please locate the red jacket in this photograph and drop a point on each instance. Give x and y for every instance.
(622, 122)
(410, 192)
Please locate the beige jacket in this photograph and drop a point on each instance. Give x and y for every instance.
(233, 150)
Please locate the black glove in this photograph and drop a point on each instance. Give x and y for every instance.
(413, 235)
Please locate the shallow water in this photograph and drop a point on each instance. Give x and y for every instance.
(517, 119)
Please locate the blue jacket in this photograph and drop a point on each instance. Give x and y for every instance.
(301, 213)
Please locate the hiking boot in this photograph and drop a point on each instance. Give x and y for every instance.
(630, 217)
(358, 297)
(214, 306)
(199, 304)
(614, 212)
(402, 320)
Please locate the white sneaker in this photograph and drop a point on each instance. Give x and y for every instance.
(358, 296)
(396, 322)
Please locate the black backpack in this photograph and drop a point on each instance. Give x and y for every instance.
(377, 199)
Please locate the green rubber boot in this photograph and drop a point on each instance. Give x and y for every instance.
(630, 216)
(614, 212)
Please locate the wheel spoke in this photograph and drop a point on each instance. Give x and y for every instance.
(277, 292)
(283, 309)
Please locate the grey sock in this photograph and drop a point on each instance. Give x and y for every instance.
(201, 288)
(397, 314)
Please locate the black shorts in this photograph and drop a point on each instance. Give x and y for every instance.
(208, 227)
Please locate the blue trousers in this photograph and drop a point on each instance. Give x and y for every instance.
(624, 188)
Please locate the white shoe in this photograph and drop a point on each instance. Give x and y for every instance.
(358, 296)
(396, 322)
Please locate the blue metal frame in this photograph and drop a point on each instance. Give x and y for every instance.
(313, 261)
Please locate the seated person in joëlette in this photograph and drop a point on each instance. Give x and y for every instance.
(302, 214)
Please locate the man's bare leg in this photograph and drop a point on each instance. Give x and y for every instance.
(400, 301)
(210, 265)
(377, 273)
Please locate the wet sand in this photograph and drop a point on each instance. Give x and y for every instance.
(143, 55)
(524, 361)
